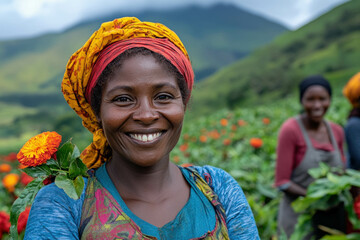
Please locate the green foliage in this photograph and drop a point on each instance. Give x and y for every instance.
(330, 189)
(68, 170)
(328, 46)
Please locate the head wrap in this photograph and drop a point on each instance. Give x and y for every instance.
(81, 63)
(311, 81)
(352, 90)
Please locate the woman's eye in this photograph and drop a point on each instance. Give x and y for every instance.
(122, 99)
(164, 97)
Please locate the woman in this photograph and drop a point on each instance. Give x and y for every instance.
(352, 128)
(130, 84)
(304, 141)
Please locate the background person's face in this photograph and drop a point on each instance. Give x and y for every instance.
(316, 101)
(142, 112)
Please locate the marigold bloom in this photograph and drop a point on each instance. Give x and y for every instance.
(187, 164)
(183, 147)
(10, 181)
(5, 168)
(186, 136)
(203, 138)
(233, 127)
(226, 142)
(266, 121)
(39, 149)
(214, 134)
(241, 123)
(224, 122)
(23, 220)
(176, 159)
(25, 179)
(256, 142)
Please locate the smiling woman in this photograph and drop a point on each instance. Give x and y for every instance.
(304, 142)
(130, 83)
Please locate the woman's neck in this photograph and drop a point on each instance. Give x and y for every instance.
(310, 124)
(134, 182)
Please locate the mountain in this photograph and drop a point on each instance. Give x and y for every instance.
(328, 45)
(31, 70)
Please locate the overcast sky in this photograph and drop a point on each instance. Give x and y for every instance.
(26, 18)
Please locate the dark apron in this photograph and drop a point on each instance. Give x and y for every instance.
(287, 218)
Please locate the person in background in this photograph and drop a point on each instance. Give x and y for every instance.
(352, 128)
(304, 141)
(130, 83)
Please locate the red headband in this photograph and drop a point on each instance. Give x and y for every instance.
(161, 46)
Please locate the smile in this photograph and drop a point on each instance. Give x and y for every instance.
(146, 137)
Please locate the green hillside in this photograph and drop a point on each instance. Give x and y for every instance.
(329, 45)
(31, 70)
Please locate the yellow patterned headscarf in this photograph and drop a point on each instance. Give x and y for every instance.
(79, 67)
(352, 90)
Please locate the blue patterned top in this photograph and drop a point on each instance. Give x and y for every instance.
(54, 215)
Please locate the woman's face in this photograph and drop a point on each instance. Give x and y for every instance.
(316, 101)
(141, 112)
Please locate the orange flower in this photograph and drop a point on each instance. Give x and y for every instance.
(186, 136)
(183, 147)
(226, 142)
(10, 181)
(233, 127)
(203, 138)
(241, 123)
(11, 157)
(39, 149)
(187, 164)
(224, 122)
(214, 134)
(25, 179)
(266, 121)
(23, 220)
(256, 142)
(5, 168)
(176, 159)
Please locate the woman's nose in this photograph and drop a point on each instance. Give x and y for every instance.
(145, 112)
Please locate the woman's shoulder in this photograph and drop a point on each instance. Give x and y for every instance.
(52, 193)
(213, 171)
(290, 128)
(353, 123)
(215, 177)
(290, 123)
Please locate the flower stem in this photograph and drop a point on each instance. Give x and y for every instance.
(59, 170)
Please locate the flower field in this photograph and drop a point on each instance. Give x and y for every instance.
(242, 142)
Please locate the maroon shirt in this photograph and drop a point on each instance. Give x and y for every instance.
(292, 147)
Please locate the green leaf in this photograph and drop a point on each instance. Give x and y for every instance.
(64, 154)
(25, 199)
(53, 164)
(319, 172)
(75, 153)
(266, 190)
(38, 171)
(70, 187)
(302, 227)
(77, 168)
(302, 203)
(79, 185)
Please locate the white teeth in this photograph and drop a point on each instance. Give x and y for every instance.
(145, 137)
